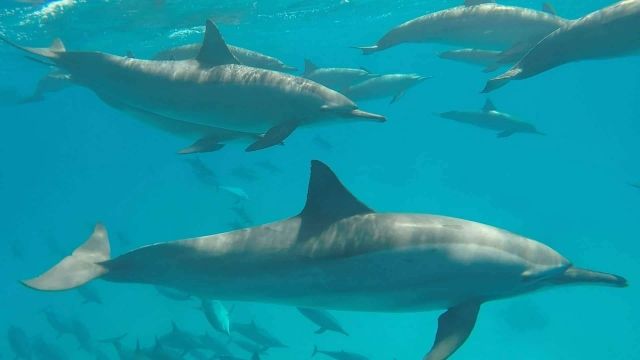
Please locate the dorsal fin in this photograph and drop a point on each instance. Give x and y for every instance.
(309, 67)
(478, 2)
(57, 46)
(488, 106)
(214, 50)
(174, 327)
(549, 8)
(328, 201)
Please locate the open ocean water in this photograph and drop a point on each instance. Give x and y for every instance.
(70, 160)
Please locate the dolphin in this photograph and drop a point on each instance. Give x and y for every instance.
(19, 343)
(216, 314)
(606, 33)
(213, 90)
(180, 339)
(245, 57)
(89, 295)
(492, 119)
(61, 327)
(340, 254)
(323, 319)
(489, 59)
(338, 355)
(258, 335)
(478, 25)
(43, 350)
(335, 78)
(250, 346)
(214, 344)
(53, 82)
(81, 333)
(389, 85)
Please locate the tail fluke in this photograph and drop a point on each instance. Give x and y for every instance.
(77, 269)
(51, 52)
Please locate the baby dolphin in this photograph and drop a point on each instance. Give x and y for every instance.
(606, 33)
(390, 85)
(335, 78)
(338, 355)
(212, 90)
(492, 119)
(338, 253)
(89, 294)
(480, 24)
(323, 319)
(245, 56)
(216, 314)
(257, 334)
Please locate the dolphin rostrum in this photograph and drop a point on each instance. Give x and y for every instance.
(245, 57)
(492, 119)
(340, 254)
(606, 33)
(212, 90)
(479, 25)
(384, 86)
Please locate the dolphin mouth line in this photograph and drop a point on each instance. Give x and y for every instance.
(367, 115)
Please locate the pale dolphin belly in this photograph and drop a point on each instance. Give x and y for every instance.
(375, 262)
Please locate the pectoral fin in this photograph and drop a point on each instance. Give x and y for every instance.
(275, 136)
(206, 144)
(454, 327)
(320, 331)
(506, 133)
(396, 97)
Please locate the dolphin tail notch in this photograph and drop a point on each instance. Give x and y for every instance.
(574, 275)
(77, 269)
(52, 52)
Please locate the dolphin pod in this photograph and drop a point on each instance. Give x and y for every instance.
(606, 33)
(211, 90)
(478, 24)
(396, 262)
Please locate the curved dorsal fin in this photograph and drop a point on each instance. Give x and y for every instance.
(214, 50)
(309, 67)
(488, 106)
(328, 201)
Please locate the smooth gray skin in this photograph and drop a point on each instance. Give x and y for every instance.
(339, 355)
(490, 118)
(257, 334)
(606, 33)
(323, 319)
(245, 56)
(491, 60)
(484, 26)
(390, 85)
(217, 315)
(335, 78)
(212, 90)
(19, 343)
(45, 350)
(339, 254)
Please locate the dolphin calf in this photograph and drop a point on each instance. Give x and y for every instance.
(338, 355)
(492, 119)
(335, 78)
(478, 25)
(217, 315)
(340, 254)
(390, 85)
(213, 90)
(323, 319)
(245, 57)
(606, 33)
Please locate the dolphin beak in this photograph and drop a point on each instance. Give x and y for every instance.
(367, 115)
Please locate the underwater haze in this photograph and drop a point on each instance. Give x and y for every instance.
(71, 160)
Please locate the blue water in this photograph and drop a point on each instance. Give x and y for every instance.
(70, 161)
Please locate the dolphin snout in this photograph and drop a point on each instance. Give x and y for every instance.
(367, 115)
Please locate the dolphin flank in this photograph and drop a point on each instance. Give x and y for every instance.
(396, 262)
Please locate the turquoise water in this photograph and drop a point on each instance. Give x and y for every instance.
(71, 160)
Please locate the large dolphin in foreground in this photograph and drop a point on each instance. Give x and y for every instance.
(492, 119)
(610, 32)
(339, 254)
(212, 90)
(477, 25)
(245, 57)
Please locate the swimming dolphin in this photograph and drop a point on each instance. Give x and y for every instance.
(478, 25)
(61, 327)
(43, 350)
(245, 57)
(52, 82)
(89, 294)
(180, 339)
(335, 78)
(492, 119)
(214, 344)
(19, 343)
(212, 90)
(173, 294)
(81, 333)
(489, 59)
(340, 254)
(606, 33)
(257, 334)
(338, 355)
(389, 85)
(323, 319)
(216, 314)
